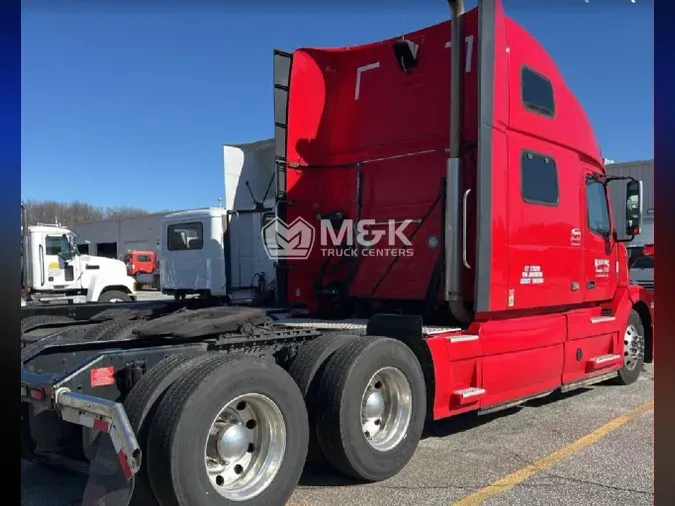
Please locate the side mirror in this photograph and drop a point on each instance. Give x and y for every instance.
(633, 208)
(73, 251)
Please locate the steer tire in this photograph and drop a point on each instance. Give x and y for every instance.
(341, 389)
(116, 295)
(141, 404)
(183, 419)
(630, 372)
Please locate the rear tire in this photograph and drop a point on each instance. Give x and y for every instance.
(259, 399)
(306, 369)
(114, 296)
(141, 405)
(312, 356)
(634, 350)
(380, 379)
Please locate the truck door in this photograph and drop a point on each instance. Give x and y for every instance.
(59, 273)
(600, 254)
(545, 256)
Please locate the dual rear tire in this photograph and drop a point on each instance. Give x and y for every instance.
(369, 399)
(218, 429)
(221, 429)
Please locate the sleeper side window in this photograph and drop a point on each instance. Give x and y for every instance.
(538, 179)
(537, 93)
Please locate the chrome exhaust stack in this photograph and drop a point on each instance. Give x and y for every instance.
(452, 281)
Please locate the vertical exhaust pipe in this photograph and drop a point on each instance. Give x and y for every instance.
(453, 285)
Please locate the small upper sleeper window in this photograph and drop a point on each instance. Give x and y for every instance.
(537, 93)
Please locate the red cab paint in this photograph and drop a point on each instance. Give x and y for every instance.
(542, 276)
(140, 262)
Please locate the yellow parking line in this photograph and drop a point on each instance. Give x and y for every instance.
(508, 482)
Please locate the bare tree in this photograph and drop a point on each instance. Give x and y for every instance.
(70, 213)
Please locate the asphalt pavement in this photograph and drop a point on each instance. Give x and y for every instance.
(593, 446)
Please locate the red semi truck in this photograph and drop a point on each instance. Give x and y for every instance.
(510, 284)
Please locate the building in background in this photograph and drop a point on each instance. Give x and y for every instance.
(112, 238)
(642, 170)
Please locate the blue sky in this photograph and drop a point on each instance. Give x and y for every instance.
(131, 105)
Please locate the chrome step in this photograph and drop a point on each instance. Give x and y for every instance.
(467, 395)
(602, 361)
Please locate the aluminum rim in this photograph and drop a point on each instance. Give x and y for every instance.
(633, 347)
(386, 409)
(116, 300)
(245, 446)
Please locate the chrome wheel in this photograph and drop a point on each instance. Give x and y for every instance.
(116, 300)
(386, 409)
(633, 347)
(245, 447)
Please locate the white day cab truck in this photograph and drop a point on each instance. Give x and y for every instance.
(53, 270)
(216, 253)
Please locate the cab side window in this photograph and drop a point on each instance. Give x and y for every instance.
(598, 208)
(55, 244)
(538, 179)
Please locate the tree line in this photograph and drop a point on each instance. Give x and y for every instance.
(71, 213)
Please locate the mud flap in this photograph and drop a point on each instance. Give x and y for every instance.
(107, 484)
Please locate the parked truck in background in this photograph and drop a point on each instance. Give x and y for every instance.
(517, 286)
(216, 252)
(223, 259)
(143, 266)
(53, 270)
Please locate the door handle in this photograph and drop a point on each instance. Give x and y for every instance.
(591, 284)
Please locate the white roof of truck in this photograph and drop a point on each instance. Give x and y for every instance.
(206, 212)
(49, 229)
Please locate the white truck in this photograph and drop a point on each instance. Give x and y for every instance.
(53, 270)
(217, 252)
